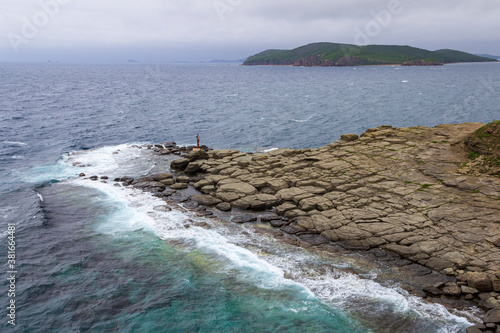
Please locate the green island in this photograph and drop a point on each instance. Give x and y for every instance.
(335, 54)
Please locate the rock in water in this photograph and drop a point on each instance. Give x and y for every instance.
(179, 186)
(224, 206)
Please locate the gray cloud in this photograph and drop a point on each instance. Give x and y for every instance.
(168, 30)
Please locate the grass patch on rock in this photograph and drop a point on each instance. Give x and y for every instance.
(483, 148)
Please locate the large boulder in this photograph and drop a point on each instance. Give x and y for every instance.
(319, 203)
(150, 186)
(479, 281)
(240, 189)
(197, 155)
(277, 184)
(168, 181)
(218, 154)
(227, 196)
(256, 202)
(224, 206)
(317, 223)
(285, 207)
(492, 316)
(206, 200)
(193, 167)
(179, 164)
(473, 329)
(209, 181)
(162, 176)
(294, 194)
(179, 186)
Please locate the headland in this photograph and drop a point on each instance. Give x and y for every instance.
(425, 200)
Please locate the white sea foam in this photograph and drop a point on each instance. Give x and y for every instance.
(129, 213)
(5, 213)
(111, 161)
(348, 290)
(302, 120)
(260, 259)
(14, 143)
(135, 211)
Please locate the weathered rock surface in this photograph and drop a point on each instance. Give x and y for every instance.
(162, 176)
(194, 155)
(492, 316)
(179, 164)
(179, 186)
(349, 137)
(206, 200)
(256, 202)
(486, 140)
(391, 188)
(410, 196)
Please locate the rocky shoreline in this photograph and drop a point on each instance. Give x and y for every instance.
(404, 196)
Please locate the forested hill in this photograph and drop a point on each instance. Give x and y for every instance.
(334, 54)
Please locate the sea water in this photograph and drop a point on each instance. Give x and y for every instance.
(91, 256)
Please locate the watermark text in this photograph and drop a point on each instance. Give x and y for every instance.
(11, 273)
(223, 7)
(31, 26)
(381, 19)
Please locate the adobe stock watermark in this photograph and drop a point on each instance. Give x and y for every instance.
(381, 19)
(31, 26)
(223, 7)
(11, 273)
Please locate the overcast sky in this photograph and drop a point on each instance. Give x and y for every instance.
(201, 30)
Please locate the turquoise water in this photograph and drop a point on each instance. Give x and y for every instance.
(94, 257)
(106, 259)
(138, 282)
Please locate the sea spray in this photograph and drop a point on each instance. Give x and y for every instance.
(261, 261)
(258, 269)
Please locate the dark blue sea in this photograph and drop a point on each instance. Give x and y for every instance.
(93, 257)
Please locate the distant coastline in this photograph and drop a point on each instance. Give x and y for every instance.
(340, 55)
